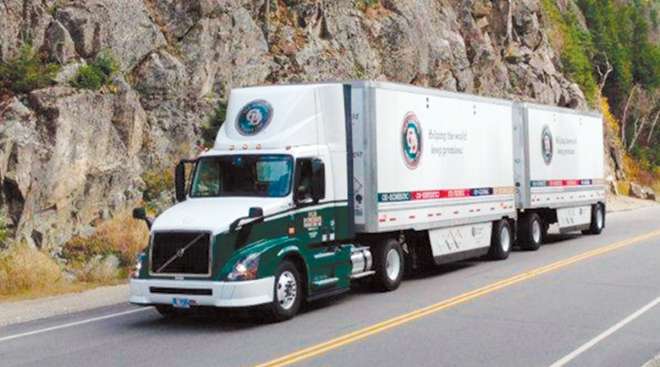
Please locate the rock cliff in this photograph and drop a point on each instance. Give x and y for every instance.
(71, 157)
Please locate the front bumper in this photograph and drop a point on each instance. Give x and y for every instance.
(223, 294)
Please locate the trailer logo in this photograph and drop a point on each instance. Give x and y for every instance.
(254, 117)
(411, 140)
(546, 145)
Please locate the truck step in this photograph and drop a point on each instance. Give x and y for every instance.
(363, 274)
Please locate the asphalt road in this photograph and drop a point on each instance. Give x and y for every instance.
(580, 300)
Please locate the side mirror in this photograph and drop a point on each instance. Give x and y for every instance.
(256, 212)
(318, 180)
(180, 181)
(141, 214)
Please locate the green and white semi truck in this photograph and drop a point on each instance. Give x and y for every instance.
(311, 187)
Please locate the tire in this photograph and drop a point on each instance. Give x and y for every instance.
(531, 232)
(501, 240)
(389, 265)
(167, 311)
(597, 220)
(287, 293)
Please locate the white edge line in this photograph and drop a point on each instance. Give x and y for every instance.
(63, 326)
(605, 334)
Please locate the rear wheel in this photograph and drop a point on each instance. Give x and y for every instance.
(500, 240)
(531, 232)
(597, 220)
(388, 264)
(287, 293)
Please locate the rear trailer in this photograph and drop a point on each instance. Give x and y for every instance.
(558, 171)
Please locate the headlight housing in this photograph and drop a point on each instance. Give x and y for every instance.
(245, 269)
(138, 265)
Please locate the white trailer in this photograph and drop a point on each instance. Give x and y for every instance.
(558, 171)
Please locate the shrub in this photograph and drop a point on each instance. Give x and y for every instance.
(23, 268)
(4, 231)
(96, 74)
(210, 129)
(156, 182)
(121, 236)
(27, 72)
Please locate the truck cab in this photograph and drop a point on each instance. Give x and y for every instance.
(262, 218)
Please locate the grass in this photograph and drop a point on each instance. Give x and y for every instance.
(24, 269)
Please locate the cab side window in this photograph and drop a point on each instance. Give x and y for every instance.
(310, 180)
(304, 175)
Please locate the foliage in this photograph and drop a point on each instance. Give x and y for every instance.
(364, 4)
(4, 231)
(576, 49)
(155, 182)
(27, 72)
(210, 129)
(23, 268)
(96, 74)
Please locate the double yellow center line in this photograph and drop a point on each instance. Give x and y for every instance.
(329, 345)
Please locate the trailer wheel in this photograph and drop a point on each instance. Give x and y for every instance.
(388, 264)
(597, 220)
(287, 293)
(531, 232)
(500, 240)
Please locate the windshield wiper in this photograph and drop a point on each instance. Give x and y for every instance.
(179, 253)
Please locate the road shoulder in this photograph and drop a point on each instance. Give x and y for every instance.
(23, 311)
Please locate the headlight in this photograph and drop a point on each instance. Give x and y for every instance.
(138, 266)
(245, 269)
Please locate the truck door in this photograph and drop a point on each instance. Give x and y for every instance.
(315, 225)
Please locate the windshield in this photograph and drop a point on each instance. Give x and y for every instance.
(243, 175)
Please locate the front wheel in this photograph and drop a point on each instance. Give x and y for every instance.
(597, 220)
(500, 240)
(388, 264)
(287, 293)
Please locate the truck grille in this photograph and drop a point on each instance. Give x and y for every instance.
(181, 253)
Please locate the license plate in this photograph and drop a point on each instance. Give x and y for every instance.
(182, 302)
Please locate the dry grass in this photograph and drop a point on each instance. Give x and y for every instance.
(25, 269)
(27, 273)
(126, 235)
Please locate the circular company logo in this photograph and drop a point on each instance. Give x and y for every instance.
(411, 140)
(254, 117)
(546, 145)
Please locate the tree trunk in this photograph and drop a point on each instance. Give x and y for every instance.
(625, 116)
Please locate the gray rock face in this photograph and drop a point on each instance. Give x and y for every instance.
(66, 158)
(122, 26)
(71, 157)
